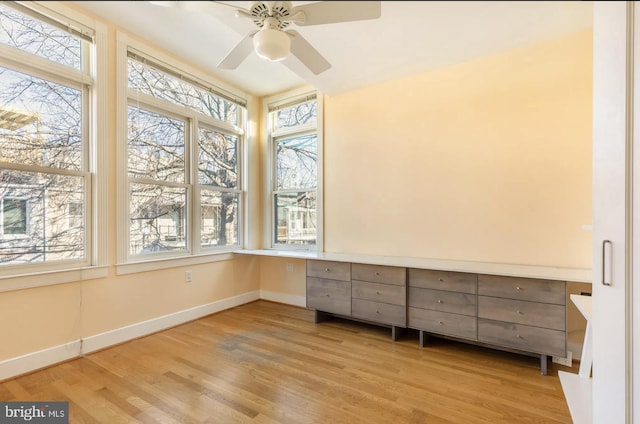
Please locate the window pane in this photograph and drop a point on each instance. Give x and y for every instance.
(36, 37)
(14, 216)
(158, 84)
(296, 217)
(217, 159)
(40, 122)
(296, 160)
(156, 146)
(157, 219)
(38, 226)
(299, 114)
(219, 218)
(75, 212)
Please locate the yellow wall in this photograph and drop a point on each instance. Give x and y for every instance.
(275, 277)
(488, 160)
(36, 319)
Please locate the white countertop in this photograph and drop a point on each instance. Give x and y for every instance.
(579, 275)
(584, 304)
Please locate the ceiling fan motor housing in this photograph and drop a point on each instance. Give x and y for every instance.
(280, 10)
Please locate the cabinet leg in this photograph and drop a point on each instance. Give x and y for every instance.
(543, 364)
(321, 316)
(396, 333)
(424, 337)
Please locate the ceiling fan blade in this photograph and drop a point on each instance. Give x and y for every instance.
(308, 55)
(329, 12)
(238, 54)
(223, 11)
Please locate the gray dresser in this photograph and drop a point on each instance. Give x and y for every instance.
(371, 293)
(442, 302)
(379, 295)
(523, 315)
(329, 287)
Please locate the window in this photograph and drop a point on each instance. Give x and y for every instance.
(46, 89)
(183, 159)
(293, 131)
(14, 217)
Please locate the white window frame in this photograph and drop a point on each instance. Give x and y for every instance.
(273, 135)
(194, 253)
(93, 84)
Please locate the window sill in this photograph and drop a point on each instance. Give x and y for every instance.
(49, 278)
(164, 263)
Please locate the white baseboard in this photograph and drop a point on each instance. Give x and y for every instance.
(139, 329)
(289, 299)
(13, 367)
(35, 360)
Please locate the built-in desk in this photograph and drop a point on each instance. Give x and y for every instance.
(519, 308)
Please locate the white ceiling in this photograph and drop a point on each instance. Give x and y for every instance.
(410, 37)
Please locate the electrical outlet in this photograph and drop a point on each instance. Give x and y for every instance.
(567, 362)
(289, 267)
(188, 276)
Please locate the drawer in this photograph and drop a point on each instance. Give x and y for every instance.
(442, 323)
(523, 337)
(443, 280)
(383, 313)
(385, 293)
(329, 295)
(329, 269)
(379, 274)
(444, 301)
(535, 290)
(522, 312)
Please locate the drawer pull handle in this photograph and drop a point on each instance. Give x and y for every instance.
(377, 312)
(519, 312)
(440, 322)
(518, 336)
(439, 301)
(327, 269)
(440, 279)
(606, 261)
(377, 292)
(518, 288)
(377, 273)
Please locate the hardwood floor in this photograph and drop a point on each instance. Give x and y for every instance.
(270, 363)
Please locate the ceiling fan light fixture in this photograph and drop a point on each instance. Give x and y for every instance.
(272, 44)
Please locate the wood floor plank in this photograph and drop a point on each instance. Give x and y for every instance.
(270, 363)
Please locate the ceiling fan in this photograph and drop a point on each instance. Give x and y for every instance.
(268, 35)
